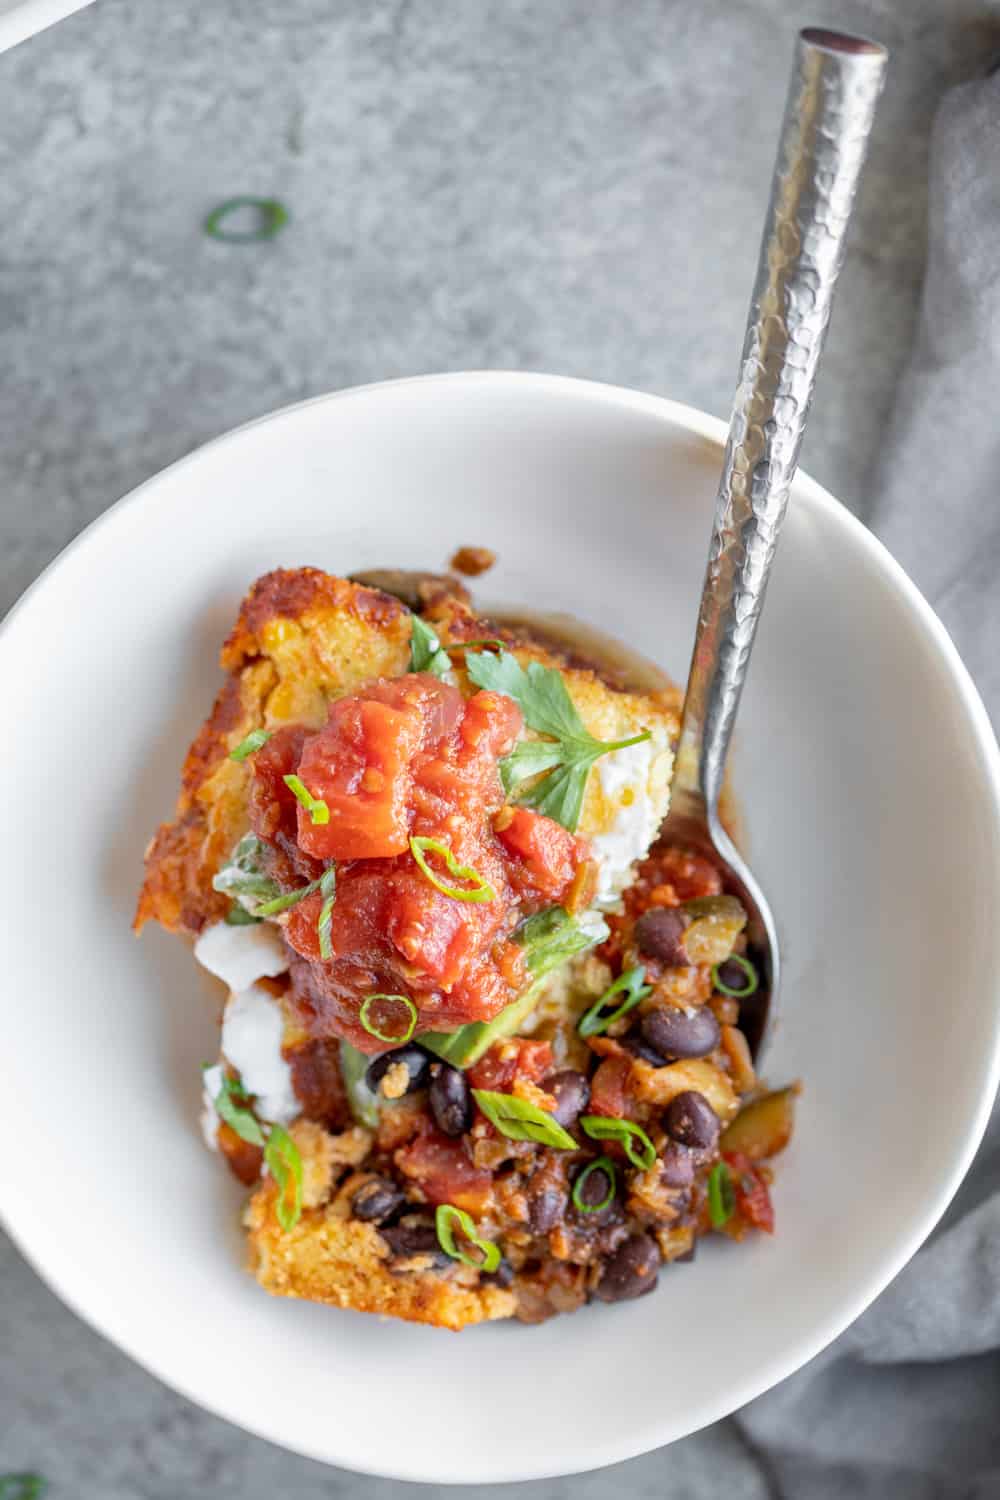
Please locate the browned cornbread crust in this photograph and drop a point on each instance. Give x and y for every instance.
(302, 638)
(329, 1257)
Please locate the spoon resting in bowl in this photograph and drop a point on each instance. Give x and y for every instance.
(835, 84)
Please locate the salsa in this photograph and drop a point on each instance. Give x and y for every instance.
(409, 759)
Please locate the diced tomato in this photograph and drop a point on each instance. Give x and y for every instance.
(273, 808)
(506, 1061)
(445, 1173)
(407, 757)
(609, 1093)
(753, 1200)
(690, 874)
(545, 856)
(360, 765)
(669, 876)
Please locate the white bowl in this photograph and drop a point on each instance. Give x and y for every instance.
(20, 19)
(870, 780)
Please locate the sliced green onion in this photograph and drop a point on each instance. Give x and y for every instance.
(230, 1106)
(382, 1036)
(288, 900)
(522, 1121)
(22, 1486)
(314, 806)
(633, 1139)
(632, 984)
(721, 1198)
(250, 745)
(285, 1165)
(272, 217)
(238, 916)
(753, 980)
(328, 886)
(599, 1164)
(481, 889)
(445, 1219)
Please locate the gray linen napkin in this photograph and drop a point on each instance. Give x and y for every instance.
(907, 1403)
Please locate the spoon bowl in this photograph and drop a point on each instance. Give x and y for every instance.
(756, 1010)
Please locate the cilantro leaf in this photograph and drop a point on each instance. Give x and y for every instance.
(529, 758)
(560, 794)
(552, 936)
(566, 756)
(426, 651)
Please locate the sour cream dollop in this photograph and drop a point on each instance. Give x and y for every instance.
(252, 1030)
(239, 956)
(625, 777)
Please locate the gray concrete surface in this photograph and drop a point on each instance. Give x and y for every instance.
(574, 185)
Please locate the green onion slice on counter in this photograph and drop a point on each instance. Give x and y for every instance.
(371, 1024)
(633, 1139)
(266, 217)
(445, 1220)
(721, 1198)
(426, 652)
(522, 1121)
(285, 1165)
(750, 988)
(314, 806)
(254, 740)
(632, 984)
(328, 887)
(22, 1486)
(231, 1106)
(599, 1164)
(479, 889)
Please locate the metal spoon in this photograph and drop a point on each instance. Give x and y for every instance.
(835, 84)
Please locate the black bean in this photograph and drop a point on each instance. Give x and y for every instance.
(547, 1207)
(631, 1271)
(733, 975)
(677, 1166)
(594, 1189)
(407, 1241)
(691, 1120)
(636, 1043)
(659, 932)
(679, 1033)
(450, 1099)
(416, 1063)
(572, 1094)
(503, 1275)
(377, 1200)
